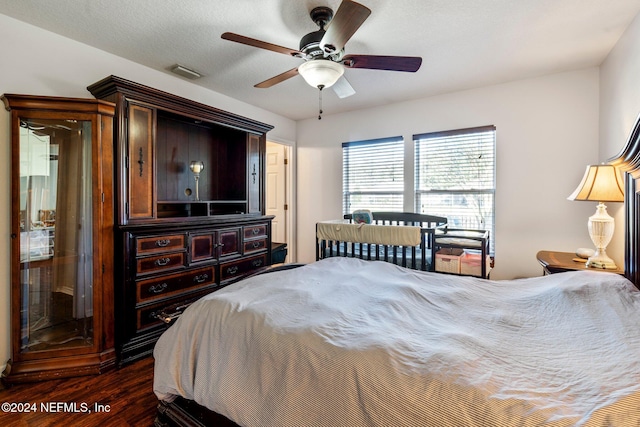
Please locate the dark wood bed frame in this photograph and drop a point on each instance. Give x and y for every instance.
(628, 160)
(185, 413)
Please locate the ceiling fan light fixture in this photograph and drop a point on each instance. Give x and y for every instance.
(321, 72)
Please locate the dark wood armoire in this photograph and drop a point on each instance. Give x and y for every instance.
(189, 206)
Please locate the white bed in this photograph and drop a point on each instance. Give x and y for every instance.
(346, 342)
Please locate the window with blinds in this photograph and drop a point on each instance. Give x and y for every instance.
(373, 175)
(455, 177)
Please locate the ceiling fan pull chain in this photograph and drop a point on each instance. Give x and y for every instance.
(320, 87)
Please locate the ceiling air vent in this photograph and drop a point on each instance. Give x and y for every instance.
(183, 71)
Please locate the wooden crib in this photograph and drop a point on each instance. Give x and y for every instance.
(412, 246)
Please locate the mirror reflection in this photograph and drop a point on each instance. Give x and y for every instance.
(55, 234)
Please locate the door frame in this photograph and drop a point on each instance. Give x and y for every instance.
(290, 191)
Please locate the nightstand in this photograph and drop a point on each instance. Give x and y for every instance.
(559, 262)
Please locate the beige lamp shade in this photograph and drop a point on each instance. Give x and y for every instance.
(601, 183)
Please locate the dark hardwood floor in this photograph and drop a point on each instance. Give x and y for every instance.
(126, 396)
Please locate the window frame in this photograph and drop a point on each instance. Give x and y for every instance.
(419, 192)
(347, 157)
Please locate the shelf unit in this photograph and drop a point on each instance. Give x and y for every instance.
(180, 235)
(475, 241)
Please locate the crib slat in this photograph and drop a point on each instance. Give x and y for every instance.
(423, 252)
(413, 258)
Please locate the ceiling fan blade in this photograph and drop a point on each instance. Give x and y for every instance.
(277, 79)
(343, 88)
(260, 44)
(379, 62)
(346, 21)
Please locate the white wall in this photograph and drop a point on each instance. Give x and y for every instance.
(547, 132)
(619, 109)
(38, 62)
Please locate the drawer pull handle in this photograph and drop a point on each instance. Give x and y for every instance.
(257, 263)
(162, 243)
(168, 317)
(232, 270)
(256, 245)
(201, 278)
(156, 289)
(161, 262)
(256, 231)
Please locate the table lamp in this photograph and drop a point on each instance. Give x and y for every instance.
(601, 183)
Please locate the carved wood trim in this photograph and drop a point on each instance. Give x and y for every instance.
(628, 161)
(169, 102)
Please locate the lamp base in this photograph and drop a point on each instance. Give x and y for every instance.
(601, 228)
(602, 261)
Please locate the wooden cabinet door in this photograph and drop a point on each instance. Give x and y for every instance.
(255, 179)
(229, 242)
(141, 162)
(203, 247)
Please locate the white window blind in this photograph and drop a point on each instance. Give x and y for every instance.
(455, 177)
(373, 175)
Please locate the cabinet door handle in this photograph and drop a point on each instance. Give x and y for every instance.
(156, 289)
(232, 270)
(141, 161)
(162, 243)
(161, 262)
(201, 278)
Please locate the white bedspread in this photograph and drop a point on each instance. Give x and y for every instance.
(345, 342)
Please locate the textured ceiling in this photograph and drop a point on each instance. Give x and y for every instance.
(463, 43)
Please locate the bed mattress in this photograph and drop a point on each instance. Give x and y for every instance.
(364, 343)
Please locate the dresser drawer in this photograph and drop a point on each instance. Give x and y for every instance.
(232, 270)
(255, 246)
(159, 263)
(158, 244)
(154, 315)
(255, 231)
(172, 284)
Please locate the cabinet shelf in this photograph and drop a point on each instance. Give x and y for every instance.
(178, 209)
